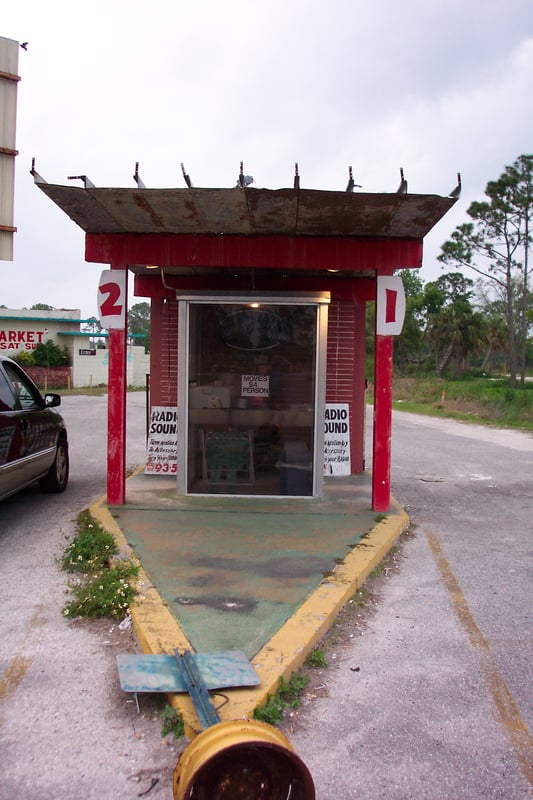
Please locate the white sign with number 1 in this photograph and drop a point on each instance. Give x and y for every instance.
(112, 299)
(390, 305)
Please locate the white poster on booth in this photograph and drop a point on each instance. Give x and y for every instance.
(390, 305)
(255, 385)
(162, 447)
(112, 299)
(337, 439)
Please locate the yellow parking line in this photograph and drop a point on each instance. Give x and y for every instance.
(18, 666)
(509, 714)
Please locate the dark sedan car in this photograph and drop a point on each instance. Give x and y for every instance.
(33, 437)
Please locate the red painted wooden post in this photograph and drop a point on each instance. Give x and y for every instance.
(116, 411)
(381, 459)
(358, 392)
(116, 419)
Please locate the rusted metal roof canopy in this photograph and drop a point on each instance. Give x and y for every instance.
(249, 211)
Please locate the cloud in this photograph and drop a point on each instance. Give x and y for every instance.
(432, 87)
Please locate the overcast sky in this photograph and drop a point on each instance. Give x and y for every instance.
(433, 87)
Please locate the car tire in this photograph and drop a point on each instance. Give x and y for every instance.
(56, 478)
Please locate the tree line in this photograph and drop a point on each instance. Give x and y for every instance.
(457, 324)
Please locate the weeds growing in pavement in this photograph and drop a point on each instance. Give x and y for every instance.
(172, 723)
(109, 593)
(106, 590)
(90, 549)
(287, 696)
(316, 658)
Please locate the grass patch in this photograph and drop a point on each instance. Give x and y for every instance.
(109, 593)
(94, 391)
(91, 548)
(102, 589)
(287, 696)
(482, 400)
(316, 659)
(172, 723)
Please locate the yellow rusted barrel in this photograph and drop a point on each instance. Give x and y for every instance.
(242, 760)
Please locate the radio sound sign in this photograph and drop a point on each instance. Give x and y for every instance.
(162, 449)
(337, 439)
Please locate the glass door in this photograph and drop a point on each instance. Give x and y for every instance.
(251, 401)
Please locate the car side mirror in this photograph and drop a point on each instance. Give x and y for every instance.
(52, 400)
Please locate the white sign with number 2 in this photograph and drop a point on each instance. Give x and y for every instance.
(112, 298)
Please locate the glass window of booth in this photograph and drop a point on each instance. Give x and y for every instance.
(251, 398)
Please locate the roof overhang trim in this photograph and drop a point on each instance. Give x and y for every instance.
(249, 212)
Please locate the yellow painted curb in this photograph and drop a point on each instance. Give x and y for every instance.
(158, 631)
(156, 628)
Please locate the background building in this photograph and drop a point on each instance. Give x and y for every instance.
(22, 330)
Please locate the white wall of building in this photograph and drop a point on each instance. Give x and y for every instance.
(23, 329)
(92, 370)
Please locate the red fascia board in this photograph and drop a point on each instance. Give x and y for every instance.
(356, 289)
(260, 252)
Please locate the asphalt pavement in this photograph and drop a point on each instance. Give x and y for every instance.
(66, 728)
(429, 696)
(428, 689)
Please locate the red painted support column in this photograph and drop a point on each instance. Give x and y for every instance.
(359, 396)
(116, 413)
(381, 460)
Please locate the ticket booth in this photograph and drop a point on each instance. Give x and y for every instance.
(258, 308)
(252, 373)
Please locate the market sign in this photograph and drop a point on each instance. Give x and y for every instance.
(20, 340)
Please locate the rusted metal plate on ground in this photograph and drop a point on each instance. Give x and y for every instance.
(161, 673)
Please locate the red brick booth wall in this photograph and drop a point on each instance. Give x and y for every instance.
(164, 352)
(345, 379)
